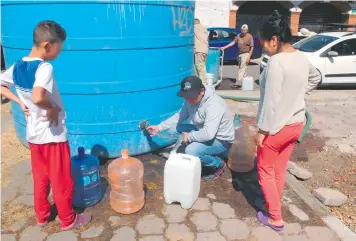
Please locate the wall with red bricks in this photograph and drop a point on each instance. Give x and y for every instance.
(232, 18)
(294, 22)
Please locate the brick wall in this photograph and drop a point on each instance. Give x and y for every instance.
(294, 22)
(232, 18)
(352, 20)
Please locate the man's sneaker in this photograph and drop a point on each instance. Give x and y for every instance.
(81, 220)
(215, 173)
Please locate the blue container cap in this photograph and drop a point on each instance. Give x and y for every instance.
(81, 152)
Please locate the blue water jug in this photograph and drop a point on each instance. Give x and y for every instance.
(86, 178)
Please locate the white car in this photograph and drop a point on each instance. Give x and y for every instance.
(332, 53)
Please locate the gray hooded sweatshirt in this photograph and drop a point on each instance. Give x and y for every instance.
(211, 117)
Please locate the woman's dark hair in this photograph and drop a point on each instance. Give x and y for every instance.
(276, 25)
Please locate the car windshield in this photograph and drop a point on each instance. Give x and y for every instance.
(314, 43)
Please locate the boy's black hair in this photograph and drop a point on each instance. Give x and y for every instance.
(48, 31)
(276, 25)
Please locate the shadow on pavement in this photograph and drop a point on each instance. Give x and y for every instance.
(247, 183)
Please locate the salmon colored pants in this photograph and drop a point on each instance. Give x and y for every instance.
(51, 165)
(272, 160)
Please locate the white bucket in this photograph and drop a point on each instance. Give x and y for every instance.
(247, 83)
(210, 79)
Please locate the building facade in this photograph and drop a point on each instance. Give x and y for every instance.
(314, 15)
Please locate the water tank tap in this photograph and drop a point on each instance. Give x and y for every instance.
(143, 125)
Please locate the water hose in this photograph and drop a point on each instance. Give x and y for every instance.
(307, 114)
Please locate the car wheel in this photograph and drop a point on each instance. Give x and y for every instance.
(321, 81)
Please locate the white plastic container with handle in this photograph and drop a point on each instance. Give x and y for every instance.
(247, 83)
(182, 175)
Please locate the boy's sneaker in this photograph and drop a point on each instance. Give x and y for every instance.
(213, 173)
(81, 220)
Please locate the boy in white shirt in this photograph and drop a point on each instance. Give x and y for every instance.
(46, 132)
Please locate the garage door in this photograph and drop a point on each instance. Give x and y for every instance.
(255, 13)
(318, 16)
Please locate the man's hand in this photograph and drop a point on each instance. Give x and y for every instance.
(52, 115)
(185, 139)
(248, 60)
(223, 48)
(153, 130)
(24, 108)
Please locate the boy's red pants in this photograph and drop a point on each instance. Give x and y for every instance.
(51, 166)
(272, 160)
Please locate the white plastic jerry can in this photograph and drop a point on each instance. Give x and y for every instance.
(182, 175)
(247, 83)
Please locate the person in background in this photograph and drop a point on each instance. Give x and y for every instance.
(38, 96)
(201, 48)
(281, 114)
(245, 46)
(209, 131)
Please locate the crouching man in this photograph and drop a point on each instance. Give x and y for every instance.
(209, 131)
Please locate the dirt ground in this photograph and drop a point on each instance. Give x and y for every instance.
(331, 168)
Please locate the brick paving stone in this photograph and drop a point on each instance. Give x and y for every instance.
(211, 236)
(8, 237)
(22, 168)
(266, 234)
(292, 228)
(27, 188)
(298, 171)
(330, 197)
(223, 210)
(202, 204)
(177, 232)
(174, 213)
(211, 196)
(93, 232)
(301, 237)
(153, 238)
(316, 233)
(234, 229)
(125, 233)
(63, 236)
(150, 224)
(114, 220)
(33, 233)
(26, 200)
(17, 225)
(204, 221)
(298, 212)
(7, 194)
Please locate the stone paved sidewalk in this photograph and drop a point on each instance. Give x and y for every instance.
(221, 213)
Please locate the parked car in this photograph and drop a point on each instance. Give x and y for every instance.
(332, 53)
(219, 37)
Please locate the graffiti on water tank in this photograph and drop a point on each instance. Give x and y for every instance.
(182, 19)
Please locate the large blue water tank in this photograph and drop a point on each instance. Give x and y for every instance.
(121, 63)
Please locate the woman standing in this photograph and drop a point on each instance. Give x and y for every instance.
(284, 83)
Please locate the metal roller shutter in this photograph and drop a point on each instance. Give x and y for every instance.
(255, 13)
(317, 16)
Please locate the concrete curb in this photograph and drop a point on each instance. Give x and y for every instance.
(343, 232)
(332, 95)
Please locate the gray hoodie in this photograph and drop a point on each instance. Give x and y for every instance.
(211, 116)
